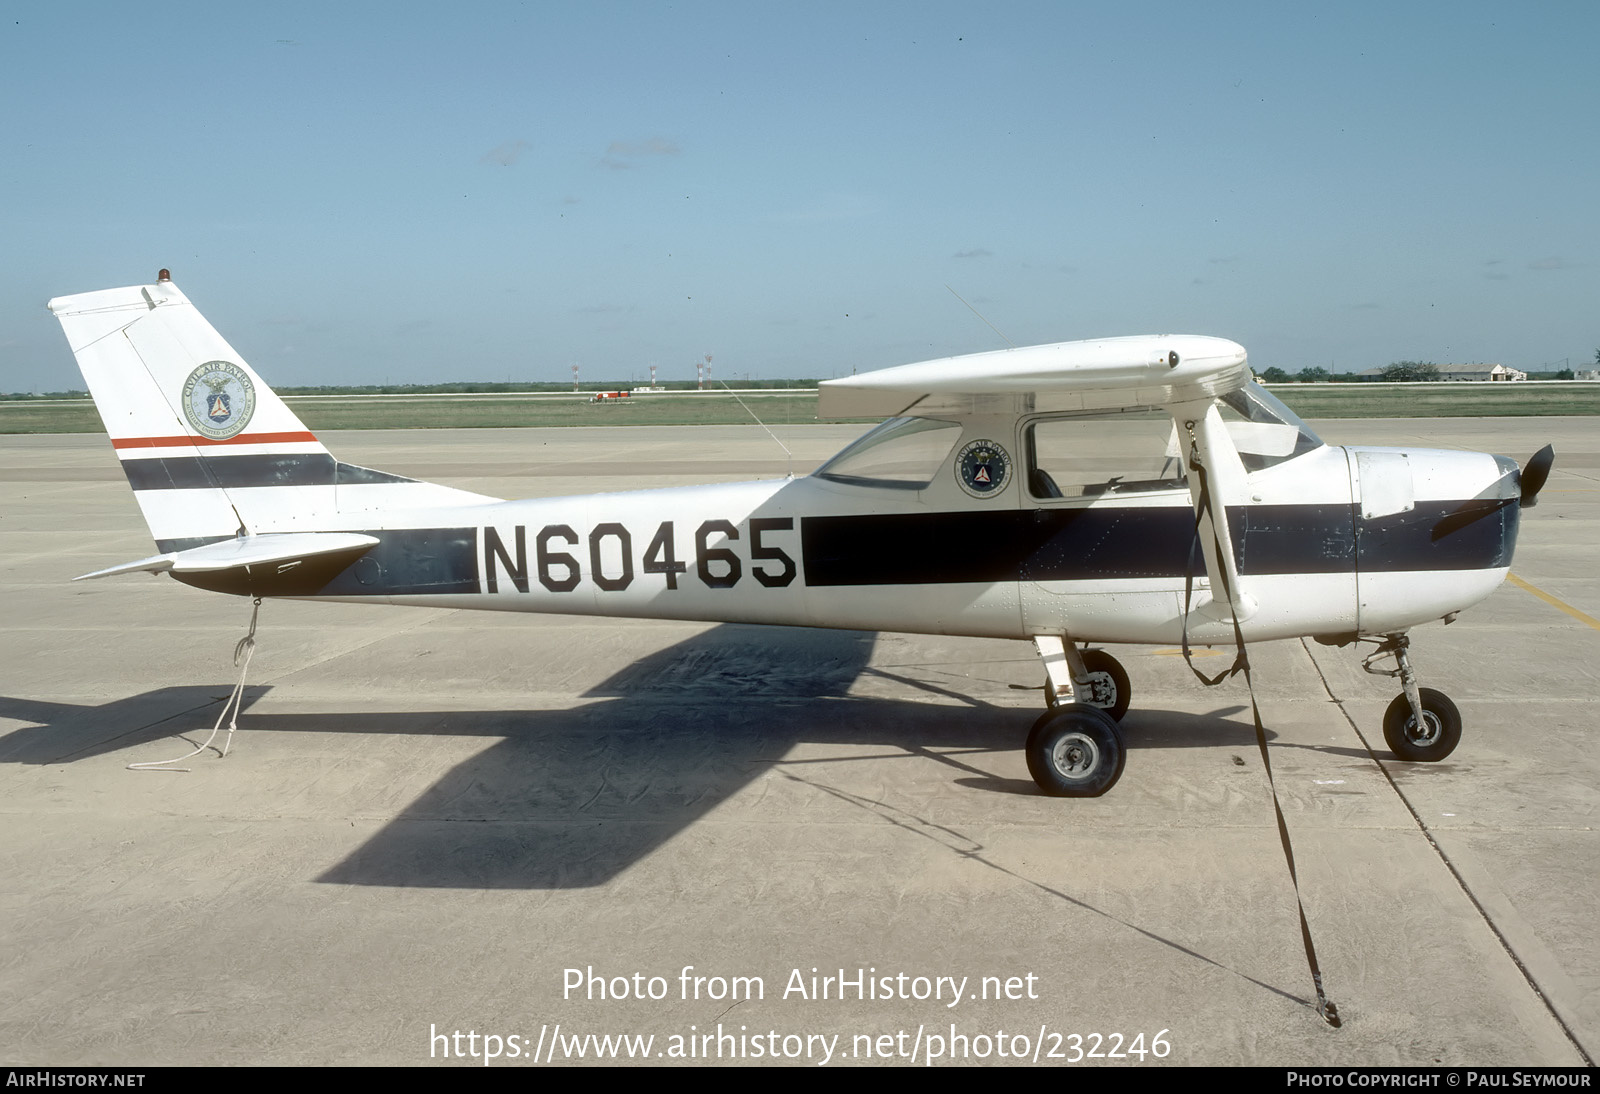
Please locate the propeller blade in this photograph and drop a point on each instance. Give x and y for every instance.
(1534, 475)
(1469, 513)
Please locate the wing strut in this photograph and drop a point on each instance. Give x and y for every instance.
(1225, 579)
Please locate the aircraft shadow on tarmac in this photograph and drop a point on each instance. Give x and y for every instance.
(570, 798)
(67, 732)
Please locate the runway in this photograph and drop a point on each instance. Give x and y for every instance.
(429, 817)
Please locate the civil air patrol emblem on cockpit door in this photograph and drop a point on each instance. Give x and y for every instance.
(218, 399)
(983, 469)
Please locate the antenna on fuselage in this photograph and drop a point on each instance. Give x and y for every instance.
(760, 423)
(980, 315)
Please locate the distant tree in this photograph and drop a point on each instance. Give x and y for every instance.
(1411, 371)
(1564, 374)
(1312, 375)
(1274, 375)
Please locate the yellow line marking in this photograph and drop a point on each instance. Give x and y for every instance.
(1554, 603)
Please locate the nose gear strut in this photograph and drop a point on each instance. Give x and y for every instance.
(1421, 724)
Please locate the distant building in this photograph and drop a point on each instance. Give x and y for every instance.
(1586, 374)
(1480, 372)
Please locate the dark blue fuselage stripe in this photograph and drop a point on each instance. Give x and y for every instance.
(404, 562)
(1004, 545)
(1479, 534)
(412, 562)
(1116, 543)
(239, 472)
(1020, 545)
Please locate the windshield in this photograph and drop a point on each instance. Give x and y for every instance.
(1265, 432)
(902, 454)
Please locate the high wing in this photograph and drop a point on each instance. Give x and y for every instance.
(1182, 373)
(1142, 370)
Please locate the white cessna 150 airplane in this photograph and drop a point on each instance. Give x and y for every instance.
(1137, 490)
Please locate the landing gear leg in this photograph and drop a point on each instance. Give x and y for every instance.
(1075, 749)
(1421, 724)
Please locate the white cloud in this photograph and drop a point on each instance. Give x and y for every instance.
(506, 154)
(622, 155)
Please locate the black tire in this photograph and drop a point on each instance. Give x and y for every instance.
(1441, 730)
(1108, 689)
(1075, 751)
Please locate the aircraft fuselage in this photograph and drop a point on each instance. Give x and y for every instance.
(812, 552)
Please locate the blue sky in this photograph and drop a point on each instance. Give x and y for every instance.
(357, 193)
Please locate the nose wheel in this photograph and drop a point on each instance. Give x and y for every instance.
(1422, 724)
(1431, 738)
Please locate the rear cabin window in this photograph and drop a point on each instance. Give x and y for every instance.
(901, 454)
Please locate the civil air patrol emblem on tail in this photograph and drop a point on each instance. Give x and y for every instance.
(983, 469)
(218, 399)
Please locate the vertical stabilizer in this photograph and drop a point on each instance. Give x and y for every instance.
(190, 420)
(210, 450)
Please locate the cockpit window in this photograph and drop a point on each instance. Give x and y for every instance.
(1139, 450)
(901, 454)
(1265, 432)
(1089, 455)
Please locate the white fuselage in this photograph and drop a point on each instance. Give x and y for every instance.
(1111, 568)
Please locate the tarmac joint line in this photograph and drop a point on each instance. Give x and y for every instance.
(1444, 857)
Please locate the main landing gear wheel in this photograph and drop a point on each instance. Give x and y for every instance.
(1435, 739)
(1107, 689)
(1075, 751)
(1108, 684)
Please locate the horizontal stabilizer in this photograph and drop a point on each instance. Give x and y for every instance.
(155, 564)
(235, 554)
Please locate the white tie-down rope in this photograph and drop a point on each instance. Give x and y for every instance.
(241, 657)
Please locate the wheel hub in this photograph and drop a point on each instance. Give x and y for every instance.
(1075, 756)
(1427, 732)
